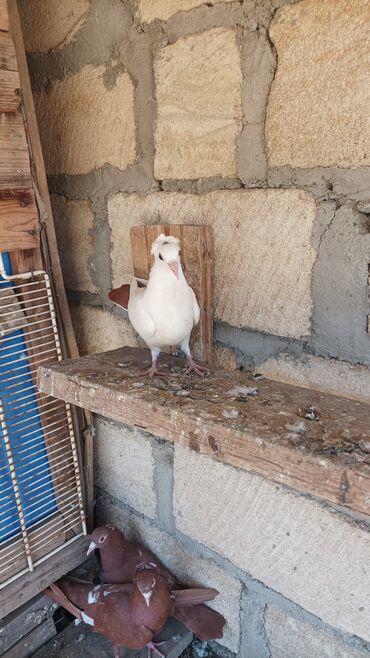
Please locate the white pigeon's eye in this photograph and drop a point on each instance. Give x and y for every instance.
(160, 257)
(101, 539)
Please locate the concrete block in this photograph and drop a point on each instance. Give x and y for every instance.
(224, 357)
(77, 138)
(73, 222)
(124, 466)
(295, 638)
(328, 375)
(198, 89)
(180, 558)
(311, 555)
(98, 330)
(148, 10)
(50, 24)
(317, 112)
(256, 286)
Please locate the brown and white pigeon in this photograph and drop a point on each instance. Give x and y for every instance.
(130, 619)
(165, 310)
(119, 561)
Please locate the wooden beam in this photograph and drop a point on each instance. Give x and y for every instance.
(317, 445)
(22, 589)
(196, 245)
(18, 624)
(15, 170)
(19, 225)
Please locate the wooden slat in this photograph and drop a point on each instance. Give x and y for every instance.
(15, 171)
(9, 98)
(19, 226)
(196, 257)
(328, 459)
(4, 17)
(22, 589)
(35, 639)
(8, 59)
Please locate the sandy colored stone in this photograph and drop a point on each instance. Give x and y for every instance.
(318, 110)
(224, 357)
(124, 466)
(327, 375)
(313, 556)
(180, 558)
(263, 252)
(73, 222)
(295, 638)
(98, 330)
(198, 90)
(49, 24)
(149, 10)
(83, 125)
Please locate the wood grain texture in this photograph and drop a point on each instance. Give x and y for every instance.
(9, 98)
(35, 639)
(4, 16)
(271, 433)
(24, 588)
(20, 622)
(196, 245)
(19, 225)
(15, 170)
(8, 59)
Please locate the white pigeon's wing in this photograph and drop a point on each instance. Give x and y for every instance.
(138, 316)
(196, 309)
(144, 282)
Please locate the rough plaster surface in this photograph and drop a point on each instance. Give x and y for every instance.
(76, 136)
(98, 330)
(310, 555)
(328, 375)
(224, 357)
(295, 638)
(124, 466)
(198, 90)
(318, 107)
(189, 568)
(51, 23)
(73, 222)
(256, 284)
(149, 10)
(340, 289)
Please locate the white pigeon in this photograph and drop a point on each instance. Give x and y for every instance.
(165, 311)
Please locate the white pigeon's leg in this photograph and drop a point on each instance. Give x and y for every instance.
(153, 370)
(191, 366)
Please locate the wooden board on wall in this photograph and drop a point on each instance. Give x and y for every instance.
(4, 18)
(19, 224)
(196, 246)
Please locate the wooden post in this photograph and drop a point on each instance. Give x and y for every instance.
(196, 245)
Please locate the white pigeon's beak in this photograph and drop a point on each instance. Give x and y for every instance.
(174, 267)
(91, 548)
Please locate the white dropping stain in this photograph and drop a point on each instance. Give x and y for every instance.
(88, 620)
(244, 391)
(77, 622)
(230, 412)
(299, 427)
(324, 463)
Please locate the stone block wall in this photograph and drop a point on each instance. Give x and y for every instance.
(292, 572)
(250, 116)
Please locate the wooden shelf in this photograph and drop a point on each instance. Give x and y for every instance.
(316, 443)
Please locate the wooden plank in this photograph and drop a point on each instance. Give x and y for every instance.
(22, 589)
(19, 225)
(328, 459)
(20, 622)
(8, 59)
(4, 17)
(68, 340)
(9, 84)
(35, 639)
(197, 259)
(15, 170)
